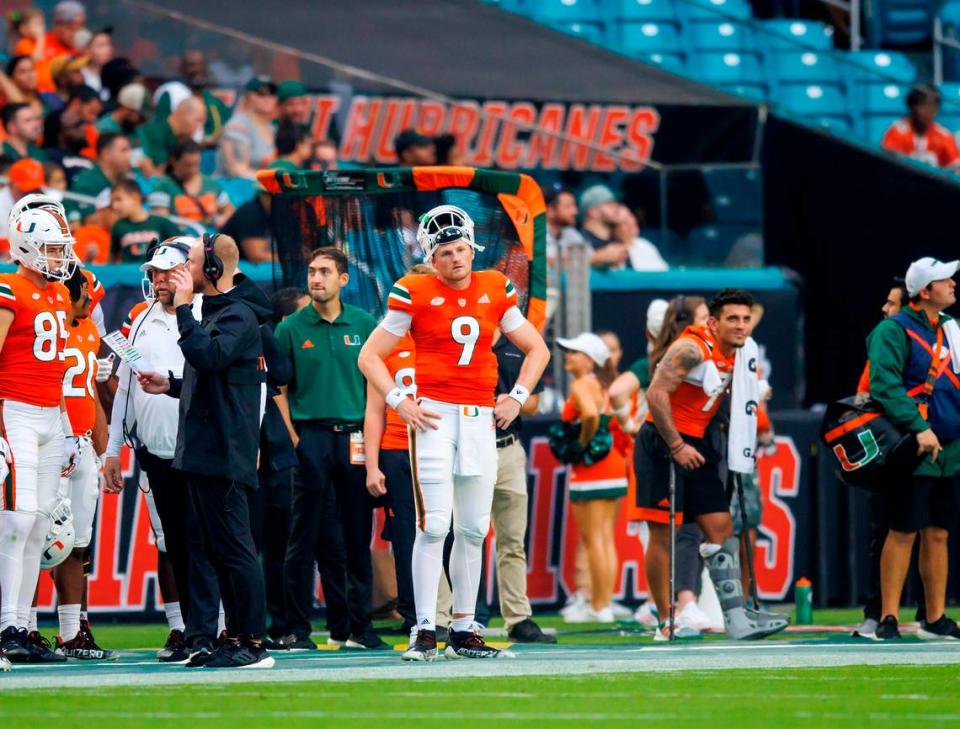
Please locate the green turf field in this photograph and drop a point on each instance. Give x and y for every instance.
(596, 676)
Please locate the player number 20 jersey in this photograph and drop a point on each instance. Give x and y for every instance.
(80, 358)
(452, 330)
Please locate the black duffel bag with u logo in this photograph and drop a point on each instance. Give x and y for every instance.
(866, 444)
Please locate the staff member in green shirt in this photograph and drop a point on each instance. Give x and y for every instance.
(913, 376)
(324, 407)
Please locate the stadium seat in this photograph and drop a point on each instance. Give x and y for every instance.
(949, 15)
(739, 73)
(643, 38)
(782, 36)
(722, 36)
(712, 11)
(883, 104)
(898, 22)
(825, 105)
(879, 67)
(565, 11)
(640, 11)
(949, 115)
(737, 194)
(804, 68)
(875, 126)
(238, 189)
(711, 244)
(592, 32)
(673, 62)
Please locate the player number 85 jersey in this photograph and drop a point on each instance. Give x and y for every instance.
(31, 360)
(452, 330)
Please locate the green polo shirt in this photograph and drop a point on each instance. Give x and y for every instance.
(327, 384)
(641, 369)
(33, 152)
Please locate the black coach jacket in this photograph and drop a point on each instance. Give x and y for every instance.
(223, 386)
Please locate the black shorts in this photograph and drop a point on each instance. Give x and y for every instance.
(698, 492)
(922, 501)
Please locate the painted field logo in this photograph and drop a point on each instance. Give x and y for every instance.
(871, 449)
(352, 340)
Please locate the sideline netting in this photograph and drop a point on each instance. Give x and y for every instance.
(372, 216)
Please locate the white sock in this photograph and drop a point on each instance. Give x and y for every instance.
(465, 561)
(69, 621)
(462, 625)
(427, 569)
(174, 617)
(707, 549)
(31, 568)
(15, 528)
(221, 620)
(33, 620)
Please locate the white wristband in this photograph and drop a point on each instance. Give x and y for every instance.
(65, 420)
(520, 394)
(396, 396)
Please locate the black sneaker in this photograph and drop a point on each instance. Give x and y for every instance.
(368, 641)
(424, 648)
(942, 629)
(274, 645)
(12, 645)
(888, 629)
(527, 631)
(468, 644)
(296, 643)
(202, 652)
(85, 648)
(233, 654)
(175, 649)
(40, 649)
(443, 634)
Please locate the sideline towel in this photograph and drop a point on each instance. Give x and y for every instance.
(744, 403)
(951, 330)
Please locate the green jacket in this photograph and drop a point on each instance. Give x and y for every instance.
(888, 347)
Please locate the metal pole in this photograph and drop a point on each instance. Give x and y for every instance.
(937, 51)
(855, 25)
(673, 542)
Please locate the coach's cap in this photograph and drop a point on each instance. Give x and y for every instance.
(656, 313)
(589, 344)
(594, 196)
(924, 272)
(171, 252)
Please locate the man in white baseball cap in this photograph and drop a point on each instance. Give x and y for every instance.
(589, 344)
(915, 377)
(926, 271)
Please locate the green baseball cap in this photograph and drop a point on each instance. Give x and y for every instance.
(260, 83)
(290, 90)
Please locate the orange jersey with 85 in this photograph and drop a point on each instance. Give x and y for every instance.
(79, 380)
(452, 330)
(31, 365)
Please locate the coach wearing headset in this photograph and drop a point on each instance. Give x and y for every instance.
(221, 399)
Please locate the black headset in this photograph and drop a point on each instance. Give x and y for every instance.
(212, 265)
(680, 309)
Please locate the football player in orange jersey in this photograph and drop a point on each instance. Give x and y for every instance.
(35, 436)
(83, 486)
(452, 316)
(672, 445)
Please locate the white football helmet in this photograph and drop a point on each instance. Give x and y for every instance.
(60, 538)
(40, 239)
(444, 224)
(36, 200)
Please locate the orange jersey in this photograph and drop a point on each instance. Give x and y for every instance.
(400, 363)
(31, 365)
(79, 380)
(137, 309)
(94, 287)
(453, 333)
(936, 147)
(692, 408)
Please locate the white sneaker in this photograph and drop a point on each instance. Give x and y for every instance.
(681, 632)
(603, 615)
(577, 614)
(575, 604)
(693, 617)
(646, 615)
(620, 611)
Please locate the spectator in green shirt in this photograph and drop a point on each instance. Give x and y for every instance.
(113, 165)
(135, 227)
(187, 193)
(161, 136)
(133, 101)
(294, 148)
(24, 125)
(293, 105)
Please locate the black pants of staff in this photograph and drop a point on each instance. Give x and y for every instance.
(270, 523)
(402, 527)
(332, 493)
(223, 516)
(195, 577)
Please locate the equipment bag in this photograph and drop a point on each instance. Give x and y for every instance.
(866, 444)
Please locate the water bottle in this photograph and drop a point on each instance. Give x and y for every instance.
(803, 594)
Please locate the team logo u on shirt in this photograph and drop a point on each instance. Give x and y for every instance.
(352, 340)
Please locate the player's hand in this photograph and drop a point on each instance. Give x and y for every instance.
(5, 459)
(182, 283)
(105, 368)
(506, 411)
(376, 482)
(689, 458)
(928, 443)
(72, 448)
(416, 417)
(112, 475)
(153, 382)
